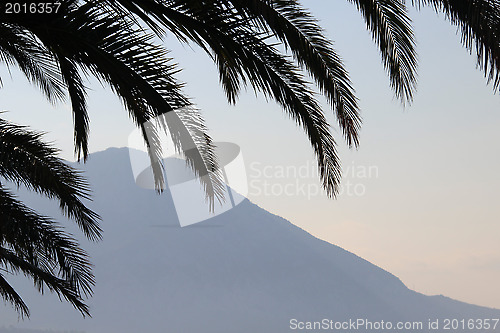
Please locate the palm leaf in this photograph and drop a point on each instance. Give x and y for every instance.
(391, 29)
(479, 24)
(35, 245)
(109, 47)
(42, 277)
(19, 47)
(299, 31)
(25, 159)
(242, 57)
(10, 295)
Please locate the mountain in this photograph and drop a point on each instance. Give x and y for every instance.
(244, 271)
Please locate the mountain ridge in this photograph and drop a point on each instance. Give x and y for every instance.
(246, 270)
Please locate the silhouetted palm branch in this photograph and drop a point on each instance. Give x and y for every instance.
(479, 24)
(237, 33)
(91, 40)
(33, 244)
(391, 29)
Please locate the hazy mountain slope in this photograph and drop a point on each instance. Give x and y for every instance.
(244, 271)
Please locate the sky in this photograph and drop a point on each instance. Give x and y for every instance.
(419, 196)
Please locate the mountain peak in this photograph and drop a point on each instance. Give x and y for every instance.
(244, 270)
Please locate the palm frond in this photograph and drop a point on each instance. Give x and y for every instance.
(391, 29)
(299, 31)
(10, 295)
(286, 19)
(243, 57)
(42, 277)
(36, 246)
(139, 72)
(77, 95)
(284, 83)
(19, 47)
(25, 159)
(479, 23)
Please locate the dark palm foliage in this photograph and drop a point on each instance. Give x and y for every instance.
(107, 40)
(113, 40)
(33, 244)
